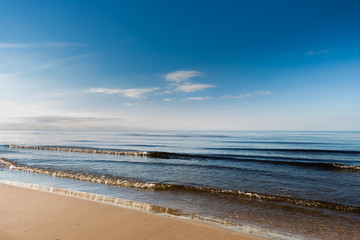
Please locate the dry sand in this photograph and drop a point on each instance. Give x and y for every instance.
(27, 214)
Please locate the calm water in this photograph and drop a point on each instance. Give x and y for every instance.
(287, 185)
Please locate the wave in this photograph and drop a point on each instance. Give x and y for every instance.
(168, 155)
(178, 135)
(290, 161)
(143, 145)
(212, 166)
(83, 150)
(321, 151)
(129, 183)
(323, 166)
(280, 142)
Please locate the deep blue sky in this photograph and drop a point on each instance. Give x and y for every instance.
(247, 65)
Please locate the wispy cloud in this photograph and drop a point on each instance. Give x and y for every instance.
(181, 82)
(197, 98)
(129, 104)
(64, 123)
(168, 99)
(59, 61)
(42, 45)
(181, 76)
(192, 87)
(48, 65)
(59, 118)
(261, 92)
(309, 53)
(248, 94)
(130, 93)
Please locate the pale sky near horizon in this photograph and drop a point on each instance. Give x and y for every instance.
(184, 65)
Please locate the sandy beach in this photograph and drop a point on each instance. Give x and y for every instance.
(35, 215)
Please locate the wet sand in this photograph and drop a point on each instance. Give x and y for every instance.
(35, 215)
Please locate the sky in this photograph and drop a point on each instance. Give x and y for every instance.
(180, 65)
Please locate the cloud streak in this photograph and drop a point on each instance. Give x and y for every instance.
(192, 87)
(197, 98)
(64, 123)
(48, 65)
(249, 94)
(181, 76)
(309, 53)
(181, 81)
(42, 45)
(133, 93)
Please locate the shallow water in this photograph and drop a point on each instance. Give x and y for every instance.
(297, 183)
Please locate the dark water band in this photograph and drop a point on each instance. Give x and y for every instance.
(291, 150)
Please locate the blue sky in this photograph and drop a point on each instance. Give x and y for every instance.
(182, 65)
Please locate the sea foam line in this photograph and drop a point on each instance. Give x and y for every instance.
(128, 183)
(82, 177)
(84, 150)
(169, 155)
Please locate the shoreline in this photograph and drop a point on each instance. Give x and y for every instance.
(39, 214)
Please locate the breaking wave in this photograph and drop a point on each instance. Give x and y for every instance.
(243, 158)
(128, 183)
(294, 150)
(83, 150)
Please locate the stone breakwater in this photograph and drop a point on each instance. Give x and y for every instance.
(84, 150)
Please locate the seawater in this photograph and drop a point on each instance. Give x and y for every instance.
(285, 185)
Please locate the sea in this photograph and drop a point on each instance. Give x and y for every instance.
(276, 184)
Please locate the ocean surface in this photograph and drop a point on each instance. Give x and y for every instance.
(283, 185)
